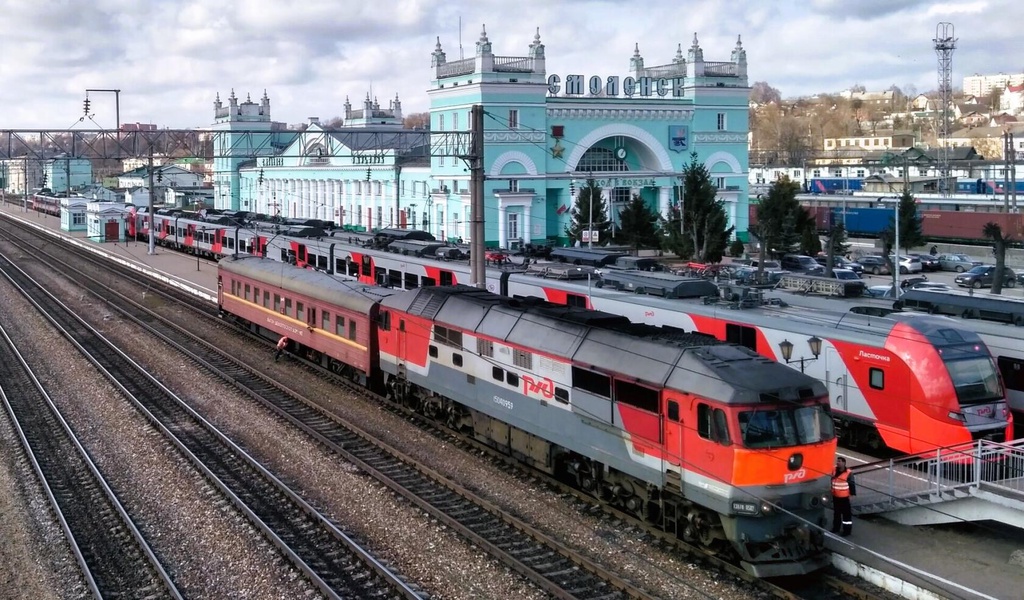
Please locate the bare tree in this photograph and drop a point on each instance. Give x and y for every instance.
(763, 93)
(417, 121)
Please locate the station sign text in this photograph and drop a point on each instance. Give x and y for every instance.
(272, 161)
(643, 87)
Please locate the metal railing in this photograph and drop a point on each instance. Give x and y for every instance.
(513, 64)
(671, 71)
(456, 67)
(721, 69)
(943, 473)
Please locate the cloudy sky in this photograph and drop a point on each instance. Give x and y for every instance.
(169, 58)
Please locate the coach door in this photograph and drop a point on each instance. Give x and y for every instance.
(837, 377)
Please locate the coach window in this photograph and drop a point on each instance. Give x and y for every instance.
(288, 306)
(876, 378)
(512, 379)
(562, 395)
(427, 282)
(339, 325)
(277, 303)
(411, 281)
(266, 299)
(367, 266)
(352, 330)
(576, 300)
(300, 311)
(432, 351)
(742, 335)
(673, 411)
(312, 316)
(446, 278)
(248, 292)
(457, 360)
(325, 320)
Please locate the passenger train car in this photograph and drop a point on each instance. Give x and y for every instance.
(708, 440)
(893, 383)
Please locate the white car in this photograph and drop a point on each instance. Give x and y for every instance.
(908, 264)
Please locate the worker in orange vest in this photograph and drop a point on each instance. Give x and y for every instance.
(842, 488)
(282, 344)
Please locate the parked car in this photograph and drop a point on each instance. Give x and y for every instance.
(982, 276)
(957, 262)
(854, 286)
(798, 262)
(885, 291)
(841, 262)
(928, 262)
(873, 264)
(908, 264)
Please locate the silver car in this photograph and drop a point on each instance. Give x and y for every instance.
(957, 262)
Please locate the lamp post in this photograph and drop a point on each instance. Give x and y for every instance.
(813, 342)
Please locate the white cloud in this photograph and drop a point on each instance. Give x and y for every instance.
(171, 58)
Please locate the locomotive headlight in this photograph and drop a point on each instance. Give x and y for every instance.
(767, 508)
(957, 416)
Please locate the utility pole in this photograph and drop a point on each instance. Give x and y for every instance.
(945, 44)
(117, 103)
(1007, 153)
(478, 269)
(152, 212)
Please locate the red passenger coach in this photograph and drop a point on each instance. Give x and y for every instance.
(328, 320)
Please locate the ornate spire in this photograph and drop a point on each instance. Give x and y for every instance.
(695, 54)
(483, 45)
(739, 55)
(248, 98)
(437, 57)
(537, 48)
(679, 54)
(636, 63)
(265, 99)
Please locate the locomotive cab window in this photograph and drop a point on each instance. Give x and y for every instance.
(673, 411)
(432, 351)
(595, 383)
(562, 395)
(446, 278)
(512, 379)
(712, 424)
(497, 373)
(876, 378)
(457, 360)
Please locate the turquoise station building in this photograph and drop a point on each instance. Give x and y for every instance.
(545, 134)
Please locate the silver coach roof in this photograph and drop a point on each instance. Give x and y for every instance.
(352, 295)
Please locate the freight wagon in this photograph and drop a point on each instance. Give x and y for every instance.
(835, 185)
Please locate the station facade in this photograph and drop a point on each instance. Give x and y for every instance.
(545, 134)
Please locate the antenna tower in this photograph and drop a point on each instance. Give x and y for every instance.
(945, 44)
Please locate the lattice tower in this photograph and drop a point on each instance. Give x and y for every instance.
(945, 44)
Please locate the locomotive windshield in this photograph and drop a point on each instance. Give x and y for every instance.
(975, 379)
(786, 427)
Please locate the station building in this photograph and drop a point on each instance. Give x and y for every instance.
(544, 135)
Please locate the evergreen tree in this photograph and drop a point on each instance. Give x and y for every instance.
(704, 230)
(911, 234)
(639, 225)
(835, 245)
(589, 199)
(777, 219)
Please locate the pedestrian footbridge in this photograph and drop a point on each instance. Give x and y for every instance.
(972, 482)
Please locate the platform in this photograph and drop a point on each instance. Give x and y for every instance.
(970, 562)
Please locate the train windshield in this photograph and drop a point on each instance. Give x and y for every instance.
(975, 379)
(786, 427)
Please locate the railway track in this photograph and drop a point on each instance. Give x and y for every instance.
(549, 564)
(325, 428)
(115, 559)
(337, 564)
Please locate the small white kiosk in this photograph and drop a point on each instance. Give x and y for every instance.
(72, 213)
(107, 221)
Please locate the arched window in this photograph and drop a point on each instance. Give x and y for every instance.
(600, 159)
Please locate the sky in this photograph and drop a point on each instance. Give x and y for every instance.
(170, 58)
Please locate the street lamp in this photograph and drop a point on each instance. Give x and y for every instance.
(786, 346)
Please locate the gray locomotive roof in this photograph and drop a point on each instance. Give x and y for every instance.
(695, 363)
(352, 295)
